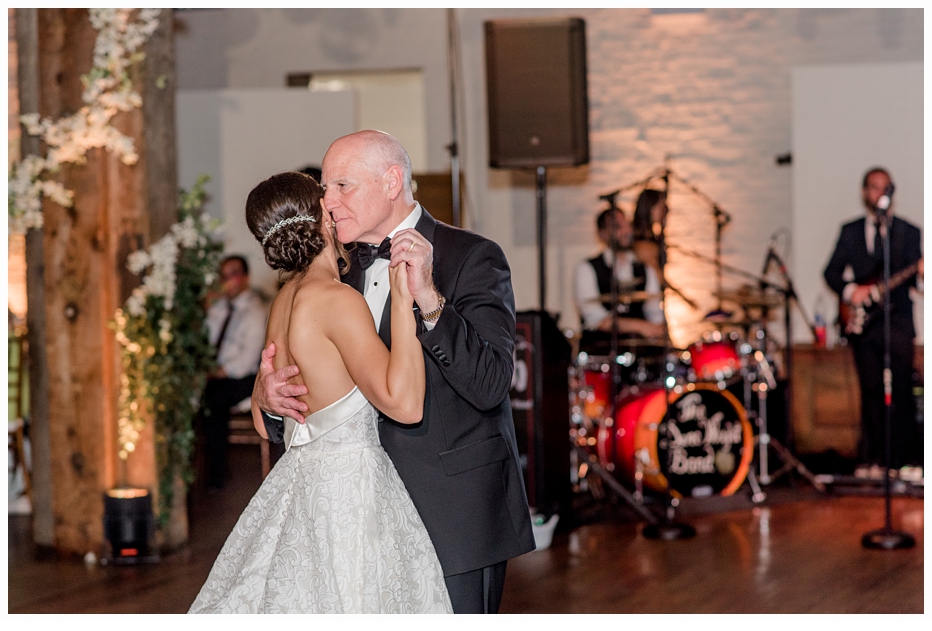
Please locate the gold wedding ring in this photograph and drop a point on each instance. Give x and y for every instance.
(412, 246)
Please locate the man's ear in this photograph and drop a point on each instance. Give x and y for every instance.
(395, 180)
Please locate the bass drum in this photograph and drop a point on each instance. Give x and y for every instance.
(706, 449)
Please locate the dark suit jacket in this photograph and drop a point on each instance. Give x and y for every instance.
(460, 463)
(851, 250)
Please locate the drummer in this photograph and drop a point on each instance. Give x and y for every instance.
(640, 313)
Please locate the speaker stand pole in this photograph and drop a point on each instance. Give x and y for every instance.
(453, 147)
(542, 235)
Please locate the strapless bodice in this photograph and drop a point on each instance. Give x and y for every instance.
(324, 421)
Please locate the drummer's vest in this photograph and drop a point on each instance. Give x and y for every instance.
(603, 276)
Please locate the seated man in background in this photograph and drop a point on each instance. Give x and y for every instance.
(236, 319)
(640, 314)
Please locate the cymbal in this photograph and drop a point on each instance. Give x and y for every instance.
(750, 297)
(628, 296)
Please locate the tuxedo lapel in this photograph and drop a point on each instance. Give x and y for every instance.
(426, 225)
(355, 276)
(385, 327)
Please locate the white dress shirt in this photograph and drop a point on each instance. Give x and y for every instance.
(591, 310)
(244, 340)
(377, 287)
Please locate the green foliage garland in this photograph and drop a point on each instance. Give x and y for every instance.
(165, 350)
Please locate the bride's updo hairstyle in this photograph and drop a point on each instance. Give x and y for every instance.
(284, 215)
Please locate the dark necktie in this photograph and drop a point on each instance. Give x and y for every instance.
(878, 243)
(223, 329)
(367, 253)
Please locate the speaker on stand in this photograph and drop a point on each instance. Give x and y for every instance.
(538, 104)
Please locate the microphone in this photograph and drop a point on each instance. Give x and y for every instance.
(884, 202)
(769, 257)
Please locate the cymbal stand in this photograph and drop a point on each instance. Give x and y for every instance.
(751, 380)
(722, 219)
(765, 441)
(789, 294)
(668, 529)
(590, 460)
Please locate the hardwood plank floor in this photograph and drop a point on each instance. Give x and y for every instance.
(799, 552)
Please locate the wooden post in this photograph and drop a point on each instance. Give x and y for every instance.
(84, 280)
(27, 46)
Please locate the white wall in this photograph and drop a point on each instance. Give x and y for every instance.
(846, 120)
(711, 89)
(241, 137)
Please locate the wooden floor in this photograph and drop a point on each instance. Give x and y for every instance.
(798, 552)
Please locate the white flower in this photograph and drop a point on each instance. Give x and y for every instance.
(138, 261)
(186, 232)
(136, 303)
(108, 90)
(165, 330)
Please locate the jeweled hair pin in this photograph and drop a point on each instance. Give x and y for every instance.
(284, 222)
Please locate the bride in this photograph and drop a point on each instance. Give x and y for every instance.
(332, 529)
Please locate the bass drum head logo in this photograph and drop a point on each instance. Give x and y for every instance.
(706, 444)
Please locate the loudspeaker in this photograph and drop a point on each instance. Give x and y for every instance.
(540, 408)
(537, 91)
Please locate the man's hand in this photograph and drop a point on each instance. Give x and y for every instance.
(863, 294)
(409, 246)
(272, 392)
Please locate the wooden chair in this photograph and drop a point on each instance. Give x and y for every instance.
(243, 432)
(17, 373)
(17, 392)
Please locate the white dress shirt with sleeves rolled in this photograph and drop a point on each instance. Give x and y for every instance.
(586, 289)
(244, 339)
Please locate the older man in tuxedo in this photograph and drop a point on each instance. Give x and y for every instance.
(460, 463)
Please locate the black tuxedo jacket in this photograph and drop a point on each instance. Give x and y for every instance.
(460, 463)
(851, 250)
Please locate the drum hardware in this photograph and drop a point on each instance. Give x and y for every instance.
(764, 441)
(748, 296)
(789, 298)
(592, 466)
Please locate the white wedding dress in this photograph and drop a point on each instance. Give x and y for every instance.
(332, 529)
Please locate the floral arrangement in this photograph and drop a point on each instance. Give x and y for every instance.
(108, 89)
(165, 351)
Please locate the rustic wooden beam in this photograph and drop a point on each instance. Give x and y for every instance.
(27, 45)
(84, 280)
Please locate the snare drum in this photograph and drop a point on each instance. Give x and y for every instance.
(715, 357)
(706, 447)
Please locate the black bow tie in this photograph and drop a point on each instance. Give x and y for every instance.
(367, 253)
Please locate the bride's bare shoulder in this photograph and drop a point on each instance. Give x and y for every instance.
(325, 299)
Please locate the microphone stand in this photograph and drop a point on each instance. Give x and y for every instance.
(615, 372)
(785, 452)
(722, 219)
(887, 538)
(667, 529)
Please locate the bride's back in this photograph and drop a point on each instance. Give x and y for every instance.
(301, 320)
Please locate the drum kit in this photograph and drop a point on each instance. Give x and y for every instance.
(676, 424)
(680, 422)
